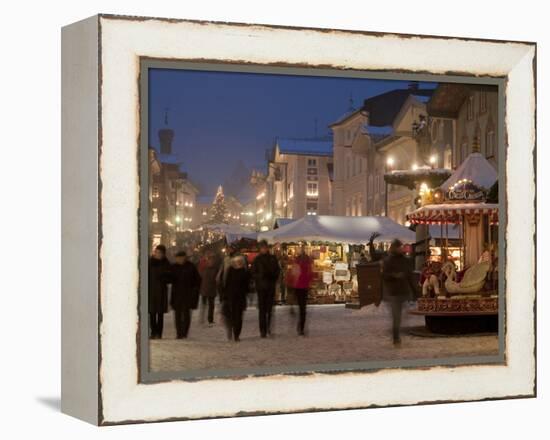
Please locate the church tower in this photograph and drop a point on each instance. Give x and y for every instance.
(166, 136)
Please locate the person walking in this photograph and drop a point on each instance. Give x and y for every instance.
(398, 285)
(302, 276)
(265, 271)
(208, 271)
(159, 278)
(221, 277)
(186, 282)
(234, 297)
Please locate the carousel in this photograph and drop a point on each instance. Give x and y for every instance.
(460, 289)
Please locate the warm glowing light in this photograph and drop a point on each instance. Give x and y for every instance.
(433, 159)
(414, 167)
(390, 161)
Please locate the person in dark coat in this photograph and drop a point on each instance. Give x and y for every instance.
(265, 270)
(398, 284)
(186, 282)
(208, 272)
(234, 297)
(159, 278)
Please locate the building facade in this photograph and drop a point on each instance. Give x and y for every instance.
(299, 179)
(371, 141)
(472, 110)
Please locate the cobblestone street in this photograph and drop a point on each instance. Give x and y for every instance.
(334, 334)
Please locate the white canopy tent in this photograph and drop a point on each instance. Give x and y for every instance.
(232, 232)
(338, 229)
(475, 168)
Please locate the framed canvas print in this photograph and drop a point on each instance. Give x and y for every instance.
(263, 220)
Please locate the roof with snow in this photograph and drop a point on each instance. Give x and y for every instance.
(339, 229)
(383, 109)
(475, 168)
(305, 147)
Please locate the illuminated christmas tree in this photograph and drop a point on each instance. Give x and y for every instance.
(218, 211)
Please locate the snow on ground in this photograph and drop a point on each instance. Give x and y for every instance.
(334, 334)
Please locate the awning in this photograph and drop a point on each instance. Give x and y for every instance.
(339, 229)
(452, 212)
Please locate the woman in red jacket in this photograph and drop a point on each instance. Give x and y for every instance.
(302, 279)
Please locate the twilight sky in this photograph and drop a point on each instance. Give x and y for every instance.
(220, 118)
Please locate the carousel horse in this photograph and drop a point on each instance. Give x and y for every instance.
(472, 281)
(431, 281)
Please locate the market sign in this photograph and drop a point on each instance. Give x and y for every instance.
(341, 272)
(466, 190)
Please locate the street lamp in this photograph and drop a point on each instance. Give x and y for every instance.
(433, 160)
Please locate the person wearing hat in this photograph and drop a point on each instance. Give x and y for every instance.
(397, 284)
(186, 282)
(265, 271)
(221, 277)
(159, 278)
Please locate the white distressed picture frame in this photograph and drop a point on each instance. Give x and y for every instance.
(100, 266)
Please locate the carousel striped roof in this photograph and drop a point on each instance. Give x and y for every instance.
(452, 212)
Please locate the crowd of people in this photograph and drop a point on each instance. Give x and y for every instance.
(229, 278)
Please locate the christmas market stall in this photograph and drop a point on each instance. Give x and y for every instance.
(460, 287)
(335, 244)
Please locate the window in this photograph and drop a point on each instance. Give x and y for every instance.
(348, 167)
(155, 217)
(313, 178)
(311, 208)
(464, 152)
(359, 209)
(490, 142)
(448, 158)
(312, 189)
(470, 108)
(348, 207)
(482, 101)
(353, 212)
(312, 162)
(155, 191)
(157, 239)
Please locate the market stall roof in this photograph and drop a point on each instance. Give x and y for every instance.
(338, 229)
(282, 221)
(452, 212)
(475, 168)
(410, 178)
(232, 232)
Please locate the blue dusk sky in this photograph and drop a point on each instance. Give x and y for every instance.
(221, 118)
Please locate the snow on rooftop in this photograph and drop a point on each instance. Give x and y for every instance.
(314, 147)
(475, 168)
(423, 99)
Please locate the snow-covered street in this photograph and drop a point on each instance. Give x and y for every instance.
(334, 334)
